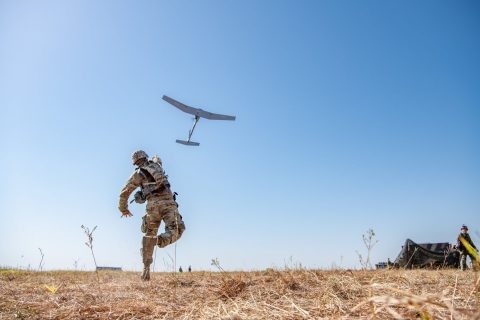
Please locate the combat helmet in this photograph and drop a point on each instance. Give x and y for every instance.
(137, 155)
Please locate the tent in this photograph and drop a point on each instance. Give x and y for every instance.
(427, 255)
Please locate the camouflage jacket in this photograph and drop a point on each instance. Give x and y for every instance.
(143, 180)
(460, 245)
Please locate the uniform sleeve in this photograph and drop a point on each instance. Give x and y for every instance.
(133, 183)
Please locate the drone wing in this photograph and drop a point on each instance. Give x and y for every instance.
(214, 116)
(180, 105)
(197, 112)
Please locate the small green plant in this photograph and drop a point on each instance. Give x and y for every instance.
(40, 265)
(75, 264)
(216, 263)
(369, 241)
(89, 244)
(291, 264)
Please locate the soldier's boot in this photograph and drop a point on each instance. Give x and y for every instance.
(148, 245)
(172, 233)
(146, 273)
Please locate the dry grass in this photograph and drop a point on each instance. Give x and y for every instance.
(290, 294)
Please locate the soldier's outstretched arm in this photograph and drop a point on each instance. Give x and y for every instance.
(133, 183)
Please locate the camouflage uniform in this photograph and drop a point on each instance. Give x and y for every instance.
(463, 251)
(160, 206)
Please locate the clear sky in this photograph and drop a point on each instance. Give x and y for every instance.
(350, 115)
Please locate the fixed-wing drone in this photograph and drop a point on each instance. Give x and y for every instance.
(198, 113)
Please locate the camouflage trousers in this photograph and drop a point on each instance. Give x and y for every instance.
(463, 259)
(159, 210)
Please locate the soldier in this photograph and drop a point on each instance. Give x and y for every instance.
(461, 248)
(155, 189)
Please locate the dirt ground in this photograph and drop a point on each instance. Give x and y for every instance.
(271, 294)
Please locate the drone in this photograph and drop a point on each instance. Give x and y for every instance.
(198, 113)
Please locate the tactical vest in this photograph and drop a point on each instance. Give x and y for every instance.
(155, 179)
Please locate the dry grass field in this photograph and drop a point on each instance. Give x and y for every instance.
(271, 294)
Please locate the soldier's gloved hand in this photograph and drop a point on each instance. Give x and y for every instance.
(125, 212)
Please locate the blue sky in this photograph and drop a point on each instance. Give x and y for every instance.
(350, 115)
